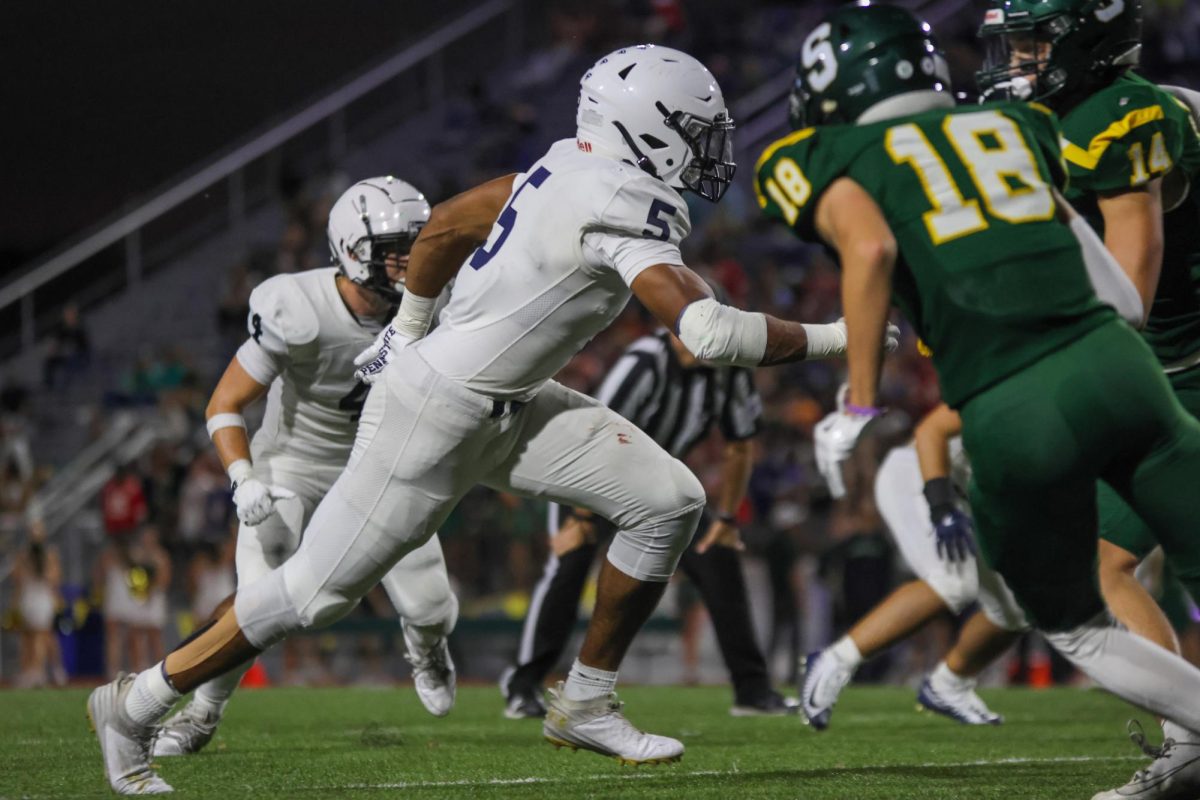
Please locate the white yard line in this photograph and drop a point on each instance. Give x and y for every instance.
(667, 772)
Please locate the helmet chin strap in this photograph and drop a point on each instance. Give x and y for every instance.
(643, 163)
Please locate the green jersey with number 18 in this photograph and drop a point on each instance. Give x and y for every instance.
(1120, 138)
(991, 281)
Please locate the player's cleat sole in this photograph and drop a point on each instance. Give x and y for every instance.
(559, 744)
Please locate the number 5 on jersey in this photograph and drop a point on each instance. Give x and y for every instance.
(506, 220)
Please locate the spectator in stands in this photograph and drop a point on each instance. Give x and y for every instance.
(37, 580)
(204, 501)
(15, 492)
(211, 577)
(123, 502)
(149, 580)
(14, 428)
(70, 349)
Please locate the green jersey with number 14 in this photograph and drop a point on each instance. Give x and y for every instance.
(1120, 138)
(991, 281)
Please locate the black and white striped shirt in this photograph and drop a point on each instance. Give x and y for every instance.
(678, 406)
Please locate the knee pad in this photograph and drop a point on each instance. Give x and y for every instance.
(956, 590)
(651, 551)
(265, 611)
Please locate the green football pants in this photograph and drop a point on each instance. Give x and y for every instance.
(1121, 525)
(1098, 408)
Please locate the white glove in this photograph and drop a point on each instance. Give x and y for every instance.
(371, 362)
(833, 439)
(255, 500)
(829, 341)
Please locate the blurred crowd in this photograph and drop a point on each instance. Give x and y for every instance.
(161, 554)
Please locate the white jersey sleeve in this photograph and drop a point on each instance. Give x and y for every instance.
(641, 226)
(279, 320)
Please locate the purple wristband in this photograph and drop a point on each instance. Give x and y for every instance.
(863, 411)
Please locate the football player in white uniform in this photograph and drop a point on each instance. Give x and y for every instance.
(305, 330)
(551, 257)
(917, 491)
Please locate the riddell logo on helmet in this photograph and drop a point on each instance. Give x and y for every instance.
(994, 16)
(584, 146)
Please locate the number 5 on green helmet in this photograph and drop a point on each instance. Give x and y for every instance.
(862, 58)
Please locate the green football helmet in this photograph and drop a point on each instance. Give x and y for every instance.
(1056, 50)
(860, 55)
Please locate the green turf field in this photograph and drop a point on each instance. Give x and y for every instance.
(310, 743)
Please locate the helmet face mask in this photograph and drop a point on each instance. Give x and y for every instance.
(1056, 50)
(711, 169)
(372, 226)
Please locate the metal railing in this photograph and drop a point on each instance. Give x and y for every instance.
(127, 229)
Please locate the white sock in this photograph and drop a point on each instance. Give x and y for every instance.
(1134, 669)
(151, 696)
(943, 676)
(588, 683)
(846, 651)
(212, 697)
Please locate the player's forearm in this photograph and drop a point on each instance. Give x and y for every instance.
(787, 341)
(1133, 233)
(735, 476)
(866, 300)
(235, 391)
(932, 441)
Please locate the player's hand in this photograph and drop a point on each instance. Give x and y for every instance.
(371, 362)
(255, 500)
(955, 534)
(573, 534)
(721, 534)
(833, 439)
(831, 341)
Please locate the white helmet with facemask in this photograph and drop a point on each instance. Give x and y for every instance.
(373, 219)
(662, 110)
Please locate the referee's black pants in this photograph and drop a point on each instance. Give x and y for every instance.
(717, 576)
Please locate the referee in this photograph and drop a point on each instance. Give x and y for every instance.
(663, 389)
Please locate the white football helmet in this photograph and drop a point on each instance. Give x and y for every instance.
(663, 110)
(370, 221)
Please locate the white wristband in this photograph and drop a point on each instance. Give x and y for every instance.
(825, 340)
(218, 421)
(414, 315)
(239, 471)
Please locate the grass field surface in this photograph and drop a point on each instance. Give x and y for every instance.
(368, 743)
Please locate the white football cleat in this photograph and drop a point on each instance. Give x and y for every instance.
(957, 703)
(824, 678)
(185, 733)
(124, 745)
(598, 725)
(433, 672)
(1174, 774)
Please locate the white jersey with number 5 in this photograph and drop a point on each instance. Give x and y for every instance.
(303, 340)
(555, 271)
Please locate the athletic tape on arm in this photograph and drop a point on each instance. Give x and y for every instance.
(723, 334)
(218, 421)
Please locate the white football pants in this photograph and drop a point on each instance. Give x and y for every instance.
(423, 442)
(901, 502)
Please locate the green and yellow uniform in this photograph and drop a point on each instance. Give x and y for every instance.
(1054, 390)
(1119, 138)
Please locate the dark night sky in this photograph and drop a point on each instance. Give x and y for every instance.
(106, 101)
